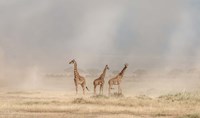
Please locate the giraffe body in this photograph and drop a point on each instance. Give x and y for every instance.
(100, 81)
(117, 80)
(78, 80)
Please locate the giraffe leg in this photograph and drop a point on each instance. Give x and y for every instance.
(119, 89)
(102, 89)
(109, 89)
(76, 85)
(83, 87)
(95, 89)
(76, 89)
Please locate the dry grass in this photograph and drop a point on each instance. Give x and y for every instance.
(59, 104)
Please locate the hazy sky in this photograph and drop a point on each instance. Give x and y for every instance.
(143, 33)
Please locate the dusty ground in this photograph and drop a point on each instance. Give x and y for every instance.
(51, 104)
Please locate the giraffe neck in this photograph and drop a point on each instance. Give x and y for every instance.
(76, 74)
(122, 72)
(104, 73)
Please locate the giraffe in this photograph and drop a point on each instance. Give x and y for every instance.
(78, 79)
(117, 80)
(100, 81)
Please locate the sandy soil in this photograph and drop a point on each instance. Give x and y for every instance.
(51, 104)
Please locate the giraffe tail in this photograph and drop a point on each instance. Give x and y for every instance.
(87, 88)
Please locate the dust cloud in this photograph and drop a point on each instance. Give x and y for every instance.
(158, 39)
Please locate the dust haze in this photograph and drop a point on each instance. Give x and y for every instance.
(159, 39)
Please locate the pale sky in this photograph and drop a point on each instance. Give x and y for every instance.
(143, 33)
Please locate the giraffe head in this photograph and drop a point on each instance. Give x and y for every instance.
(126, 65)
(107, 67)
(72, 61)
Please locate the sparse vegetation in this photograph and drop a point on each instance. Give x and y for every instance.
(182, 96)
(100, 96)
(180, 105)
(190, 116)
(117, 95)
